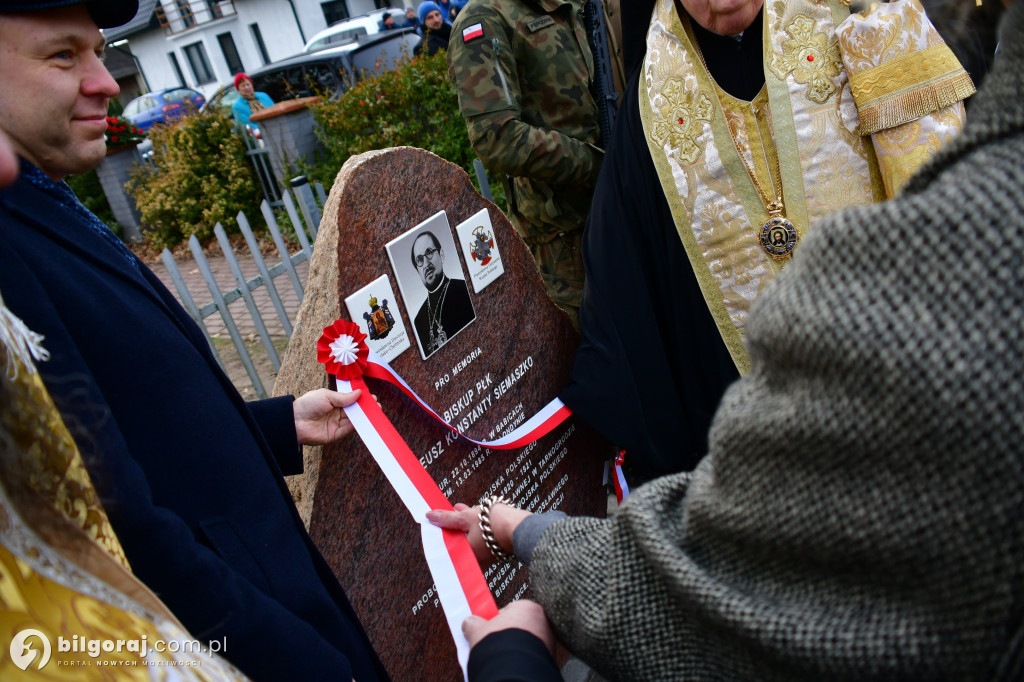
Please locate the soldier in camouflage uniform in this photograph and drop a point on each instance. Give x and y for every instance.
(523, 71)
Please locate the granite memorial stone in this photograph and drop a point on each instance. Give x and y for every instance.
(486, 378)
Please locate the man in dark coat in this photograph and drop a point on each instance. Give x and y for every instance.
(190, 474)
(411, 20)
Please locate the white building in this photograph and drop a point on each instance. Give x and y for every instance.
(201, 44)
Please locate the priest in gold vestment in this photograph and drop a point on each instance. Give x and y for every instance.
(63, 574)
(743, 125)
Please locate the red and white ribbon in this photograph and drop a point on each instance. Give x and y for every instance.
(461, 587)
(621, 488)
(460, 583)
(534, 428)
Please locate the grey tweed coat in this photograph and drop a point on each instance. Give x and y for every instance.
(860, 515)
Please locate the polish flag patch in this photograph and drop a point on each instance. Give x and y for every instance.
(474, 31)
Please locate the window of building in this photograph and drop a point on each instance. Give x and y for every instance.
(215, 11)
(196, 55)
(258, 37)
(334, 11)
(185, 13)
(227, 46)
(173, 58)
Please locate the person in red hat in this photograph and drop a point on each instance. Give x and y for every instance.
(250, 101)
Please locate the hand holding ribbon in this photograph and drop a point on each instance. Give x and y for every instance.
(521, 614)
(320, 416)
(465, 519)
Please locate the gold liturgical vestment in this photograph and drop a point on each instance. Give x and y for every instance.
(63, 574)
(906, 82)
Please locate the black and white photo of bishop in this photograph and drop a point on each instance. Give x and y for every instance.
(448, 308)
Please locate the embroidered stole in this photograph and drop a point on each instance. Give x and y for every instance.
(825, 163)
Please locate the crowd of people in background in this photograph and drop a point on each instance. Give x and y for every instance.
(414, 18)
(431, 20)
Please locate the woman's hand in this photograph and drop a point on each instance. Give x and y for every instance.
(504, 521)
(466, 520)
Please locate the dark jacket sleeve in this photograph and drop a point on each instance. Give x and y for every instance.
(276, 418)
(512, 656)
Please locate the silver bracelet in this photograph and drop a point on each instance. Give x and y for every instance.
(485, 526)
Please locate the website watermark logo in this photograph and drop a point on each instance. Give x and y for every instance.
(25, 649)
(22, 652)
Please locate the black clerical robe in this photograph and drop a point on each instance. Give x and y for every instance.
(652, 366)
(450, 307)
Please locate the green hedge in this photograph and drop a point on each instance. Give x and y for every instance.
(200, 176)
(414, 105)
(89, 191)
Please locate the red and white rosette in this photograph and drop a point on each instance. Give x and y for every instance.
(461, 586)
(342, 349)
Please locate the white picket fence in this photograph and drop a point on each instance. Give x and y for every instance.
(300, 198)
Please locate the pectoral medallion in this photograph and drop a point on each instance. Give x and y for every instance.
(778, 235)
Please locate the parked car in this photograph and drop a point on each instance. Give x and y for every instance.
(351, 29)
(327, 73)
(223, 99)
(163, 106)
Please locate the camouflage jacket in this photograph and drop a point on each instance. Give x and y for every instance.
(523, 71)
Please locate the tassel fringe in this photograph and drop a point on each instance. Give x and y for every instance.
(913, 105)
(22, 343)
